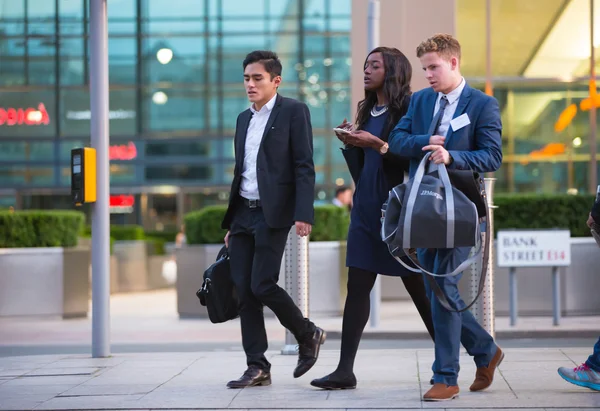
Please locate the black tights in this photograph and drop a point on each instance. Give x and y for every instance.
(357, 308)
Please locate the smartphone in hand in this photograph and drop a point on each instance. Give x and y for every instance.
(341, 130)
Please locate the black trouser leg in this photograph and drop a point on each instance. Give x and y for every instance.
(254, 334)
(268, 251)
(255, 258)
(416, 289)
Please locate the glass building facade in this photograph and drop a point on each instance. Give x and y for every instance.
(175, 92)
(176, 89)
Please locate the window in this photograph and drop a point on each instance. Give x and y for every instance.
(24, 175)
(26, 151)
(75, 115)
(27, 114)
(197, 173)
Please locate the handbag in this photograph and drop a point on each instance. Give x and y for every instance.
(430, 211)
(218, 292)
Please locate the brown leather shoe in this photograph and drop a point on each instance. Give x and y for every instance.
(441, 392)
(485, 375)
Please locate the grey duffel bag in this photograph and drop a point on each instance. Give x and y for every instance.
(429, 212)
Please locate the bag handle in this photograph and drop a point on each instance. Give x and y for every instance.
(412, 197)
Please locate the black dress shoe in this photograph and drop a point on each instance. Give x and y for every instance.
(335, 382)
(308, 352)
(252, 377)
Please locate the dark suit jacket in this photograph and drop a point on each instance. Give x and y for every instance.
(284, 166)
(477, 146)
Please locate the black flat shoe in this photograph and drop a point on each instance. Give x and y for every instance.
(308, 352)
(252, 377)
(334, 382)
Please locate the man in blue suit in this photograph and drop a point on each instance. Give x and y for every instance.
(461, 126)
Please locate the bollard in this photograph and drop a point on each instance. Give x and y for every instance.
(483, 309)
(296, 281)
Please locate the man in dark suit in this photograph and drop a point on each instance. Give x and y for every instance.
(461, 127)
(272, 190)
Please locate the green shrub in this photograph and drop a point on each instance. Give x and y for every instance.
(166, 236)
(127, 232)
(532, 211)
(40, 228)
(156, 245)
(204, 226)
(331, 223)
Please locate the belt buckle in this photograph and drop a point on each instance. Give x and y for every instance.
(253, 203)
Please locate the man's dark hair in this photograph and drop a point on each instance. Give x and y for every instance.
(268, 59)
(340, 190)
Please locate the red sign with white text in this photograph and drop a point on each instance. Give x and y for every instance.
(122, 152)
(24, 116)
(122, 200)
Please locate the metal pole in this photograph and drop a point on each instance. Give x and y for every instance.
(487, 307)
(296, 280)
(489, 90)
(593, 162)
(373, 42)
(556, 295)
(483, 309)
(100, 211)
(512, 284)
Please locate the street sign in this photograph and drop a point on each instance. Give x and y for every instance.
(534, 248)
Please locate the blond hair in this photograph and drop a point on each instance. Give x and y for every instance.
(443, 44)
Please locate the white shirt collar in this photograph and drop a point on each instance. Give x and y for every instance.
(267, 107)
(454, 94)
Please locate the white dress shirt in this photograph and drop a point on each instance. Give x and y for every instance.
(254, 135)
(453, 98)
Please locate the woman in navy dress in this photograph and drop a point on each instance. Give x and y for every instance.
(387, 74)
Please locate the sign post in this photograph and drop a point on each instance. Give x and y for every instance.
(534, 248)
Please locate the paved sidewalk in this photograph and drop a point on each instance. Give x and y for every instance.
(388, 379)
(151, 317)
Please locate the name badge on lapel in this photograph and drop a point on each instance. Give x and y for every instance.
(460, 121)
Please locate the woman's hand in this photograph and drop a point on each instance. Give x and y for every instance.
(343, 136)
(361, 138)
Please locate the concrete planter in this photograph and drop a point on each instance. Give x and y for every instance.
(327, 277)
(132, 265)
(579, 284)
(44, 281)
(192, 261)
(155, 268)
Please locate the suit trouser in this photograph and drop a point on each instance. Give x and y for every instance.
(452, 328)
(255, 252)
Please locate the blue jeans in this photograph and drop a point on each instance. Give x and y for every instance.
(452, 328)
(593, 360)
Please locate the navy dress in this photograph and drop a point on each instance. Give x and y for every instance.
(366, 250)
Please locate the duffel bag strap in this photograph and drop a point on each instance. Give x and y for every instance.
(434, 285)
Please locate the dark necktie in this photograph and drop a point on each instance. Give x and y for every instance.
(437, 119)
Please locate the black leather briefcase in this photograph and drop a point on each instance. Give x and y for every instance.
(218, 293)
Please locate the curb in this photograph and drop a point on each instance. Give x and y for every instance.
(503, 335)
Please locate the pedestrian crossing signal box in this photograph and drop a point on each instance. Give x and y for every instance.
(83, 175)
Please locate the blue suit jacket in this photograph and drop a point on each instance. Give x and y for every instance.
(477, 146)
